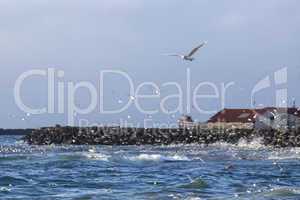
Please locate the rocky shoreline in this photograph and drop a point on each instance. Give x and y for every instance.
(156, 136)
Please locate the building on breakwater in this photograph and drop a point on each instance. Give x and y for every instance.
(261, 118)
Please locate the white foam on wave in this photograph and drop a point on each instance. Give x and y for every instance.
(256, 143)
(96, 156)
(284, 190)
(193, 198)
(286, 154)
(5, 189)
(158, 157)
(278, 191)
(222, 145)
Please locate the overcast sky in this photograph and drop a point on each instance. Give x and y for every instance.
(247, 41)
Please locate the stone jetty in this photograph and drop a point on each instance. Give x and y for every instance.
(156, 136)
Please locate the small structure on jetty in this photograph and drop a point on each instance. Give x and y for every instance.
(185, 121)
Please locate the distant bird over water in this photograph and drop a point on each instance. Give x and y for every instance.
(189, 56)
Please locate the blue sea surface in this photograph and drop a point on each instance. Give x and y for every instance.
(218, 171)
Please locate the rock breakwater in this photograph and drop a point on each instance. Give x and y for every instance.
(156, 136)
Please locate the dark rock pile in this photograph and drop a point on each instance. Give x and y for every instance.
(141, 136)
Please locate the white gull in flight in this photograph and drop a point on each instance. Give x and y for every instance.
(189, 57)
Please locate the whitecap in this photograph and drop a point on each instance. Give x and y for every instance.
(283, 191)
(256, 143)
(290, 154)
(158, 157)
(278, 192)
(193, 198)
(96, 156)
(287, 157)
(5, 189)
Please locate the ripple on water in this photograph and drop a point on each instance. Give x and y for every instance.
(197, 183)
(5, 158)
(10, 180)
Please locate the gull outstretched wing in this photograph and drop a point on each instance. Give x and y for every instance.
(178, 55)
(196, 49)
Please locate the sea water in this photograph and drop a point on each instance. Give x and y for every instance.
(218, 171)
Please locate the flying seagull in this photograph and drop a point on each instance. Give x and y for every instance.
(189, 56)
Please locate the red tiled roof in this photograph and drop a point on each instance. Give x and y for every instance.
(234, 115)
(248, 115)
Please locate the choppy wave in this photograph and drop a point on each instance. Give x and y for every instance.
(12, 180)
(197, 183)
(246, 170)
